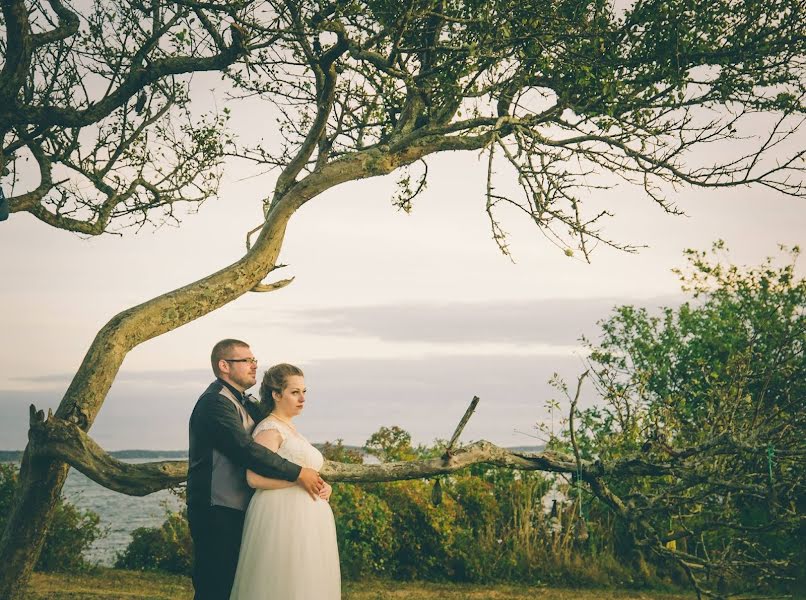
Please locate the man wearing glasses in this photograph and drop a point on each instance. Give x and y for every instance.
(221, 449)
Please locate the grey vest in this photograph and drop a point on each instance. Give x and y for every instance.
(228, 486)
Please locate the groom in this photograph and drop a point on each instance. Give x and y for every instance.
(221, 449)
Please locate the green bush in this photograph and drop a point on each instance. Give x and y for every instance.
(70, 533)
(424, 533)
(8, 483)
(717, 384)
(164, 548)
(366, 536)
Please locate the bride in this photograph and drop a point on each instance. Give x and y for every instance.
(288, 549)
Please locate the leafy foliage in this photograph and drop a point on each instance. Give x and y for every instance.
(557, 90)
(166, 548)
(366, 531)
(709, 395)
(390, 443)
(97, 99)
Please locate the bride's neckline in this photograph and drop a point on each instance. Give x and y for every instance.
(285, 422)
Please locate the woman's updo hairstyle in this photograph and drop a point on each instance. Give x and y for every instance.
(276, 380)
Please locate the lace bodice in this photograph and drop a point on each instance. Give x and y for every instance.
(294, 446)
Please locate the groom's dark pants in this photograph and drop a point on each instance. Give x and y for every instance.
(216, 533)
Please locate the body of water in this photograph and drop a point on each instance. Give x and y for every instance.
(120, 514)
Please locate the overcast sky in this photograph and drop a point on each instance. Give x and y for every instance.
(397, 319)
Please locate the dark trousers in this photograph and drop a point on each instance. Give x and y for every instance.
(216, 533)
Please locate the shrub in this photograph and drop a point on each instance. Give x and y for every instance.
(425, 533)
(366, 538)
(338, 452)
(164, 548)
(70, 533)
(168, 547)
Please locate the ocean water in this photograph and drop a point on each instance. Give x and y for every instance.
(120, 514)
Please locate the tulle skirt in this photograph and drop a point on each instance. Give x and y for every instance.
(288, 550)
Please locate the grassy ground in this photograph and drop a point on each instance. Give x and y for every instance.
(109, 584)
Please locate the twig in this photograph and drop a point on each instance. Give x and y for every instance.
(572, 435)
(461, 426)
(271, 287)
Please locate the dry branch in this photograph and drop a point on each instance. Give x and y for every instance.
(59, 439)
(56, 438)
(272, 287)
(461, 426)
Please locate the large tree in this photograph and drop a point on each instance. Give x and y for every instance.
(97, 96)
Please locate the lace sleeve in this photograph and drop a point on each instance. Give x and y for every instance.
(269, 424)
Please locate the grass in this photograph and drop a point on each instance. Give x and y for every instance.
(113, 584)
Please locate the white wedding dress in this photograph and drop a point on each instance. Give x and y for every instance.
(288, 549)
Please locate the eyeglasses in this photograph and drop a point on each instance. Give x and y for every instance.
(251, 361)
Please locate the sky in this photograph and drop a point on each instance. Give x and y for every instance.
(396, 319)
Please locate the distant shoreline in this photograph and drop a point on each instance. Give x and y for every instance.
(16, 455)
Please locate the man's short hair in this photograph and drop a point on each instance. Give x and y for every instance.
(221, 350)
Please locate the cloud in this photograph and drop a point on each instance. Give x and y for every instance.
(164, 377)
(424, 392)
(555, 322)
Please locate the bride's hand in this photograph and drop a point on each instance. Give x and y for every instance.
(325, 492)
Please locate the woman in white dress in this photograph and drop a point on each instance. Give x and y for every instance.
(288, 550)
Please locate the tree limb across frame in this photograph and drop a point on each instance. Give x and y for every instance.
(60, 439)
(562, 94)
(56, 438)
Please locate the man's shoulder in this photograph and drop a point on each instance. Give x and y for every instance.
(212, 396)
(214, 389)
